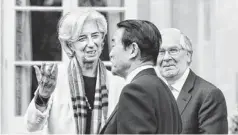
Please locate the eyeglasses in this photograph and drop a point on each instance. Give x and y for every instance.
(172, 51)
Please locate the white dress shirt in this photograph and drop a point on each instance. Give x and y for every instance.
(178, 84)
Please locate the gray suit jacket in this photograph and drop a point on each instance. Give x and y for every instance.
(202, 107)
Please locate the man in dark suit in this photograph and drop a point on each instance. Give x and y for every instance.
(201, 104)
(146, 105)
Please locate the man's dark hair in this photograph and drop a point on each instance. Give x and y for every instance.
(145, 34)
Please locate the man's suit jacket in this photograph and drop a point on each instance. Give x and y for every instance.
(202, 107)
(146, 105)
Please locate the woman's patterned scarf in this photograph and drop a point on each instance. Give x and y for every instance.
(79, 99)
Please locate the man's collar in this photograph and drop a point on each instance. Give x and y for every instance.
(178, 84)
(133, 73)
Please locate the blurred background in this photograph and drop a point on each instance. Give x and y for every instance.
(28, 36)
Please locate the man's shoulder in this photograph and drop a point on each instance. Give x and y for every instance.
(205, 84)
(148, 83)
(206, 88)
(147, 77)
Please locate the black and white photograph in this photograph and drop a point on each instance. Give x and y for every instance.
(118, 67)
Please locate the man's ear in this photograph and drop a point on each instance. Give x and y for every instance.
(190, 57)
(102, 45)
(134, 50)
(103, 41)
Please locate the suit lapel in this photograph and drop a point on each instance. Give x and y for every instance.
(185, 95)
(183, 100)
(108, 120)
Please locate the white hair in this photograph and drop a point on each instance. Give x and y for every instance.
(70, 25)
(185, 42)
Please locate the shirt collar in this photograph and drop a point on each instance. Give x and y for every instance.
(132, 74)
(178, 85)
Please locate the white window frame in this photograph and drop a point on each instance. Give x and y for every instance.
(9, 122)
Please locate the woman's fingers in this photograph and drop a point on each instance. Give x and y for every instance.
(46, 69)
(38, 73)
(42, 68)
(54, 71)
(48, 79)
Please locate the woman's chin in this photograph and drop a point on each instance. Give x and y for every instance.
(91, 59)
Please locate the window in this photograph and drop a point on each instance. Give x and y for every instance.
(30, 38)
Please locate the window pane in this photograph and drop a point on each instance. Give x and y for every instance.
(36, 36)
(101, 3)
(38, 2)
(25, 85)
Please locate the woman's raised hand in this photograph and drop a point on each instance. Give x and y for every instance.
(47, 78)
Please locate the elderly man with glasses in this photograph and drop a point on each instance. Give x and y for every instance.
(202, 105)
